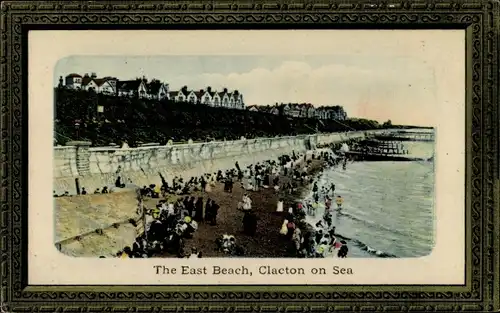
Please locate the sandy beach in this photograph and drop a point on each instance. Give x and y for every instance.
(267, 241)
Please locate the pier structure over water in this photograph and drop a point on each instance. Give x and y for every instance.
(380, 147)
(388, 146)
(405, 136)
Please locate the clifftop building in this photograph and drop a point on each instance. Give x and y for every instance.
(304, 110)
(154, 90)
(106, 85)
(223, 99)
(331, 112)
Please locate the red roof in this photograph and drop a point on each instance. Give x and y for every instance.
(176, 93)
(100, 81)
(129, 85)
(154, 87)
(86, 80)
(74, 75)
(200, 93)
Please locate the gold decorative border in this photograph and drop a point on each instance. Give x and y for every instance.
(478, 18)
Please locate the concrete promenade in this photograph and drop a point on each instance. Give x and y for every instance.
(100, 166)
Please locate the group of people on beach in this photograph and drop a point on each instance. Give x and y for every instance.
(319, 240)
(172, 222)
(83, 190)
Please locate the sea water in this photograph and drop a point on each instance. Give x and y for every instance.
(388, 208)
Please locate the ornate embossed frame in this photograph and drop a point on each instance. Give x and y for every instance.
(480, 20)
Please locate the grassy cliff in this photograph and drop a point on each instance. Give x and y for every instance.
(141, 120)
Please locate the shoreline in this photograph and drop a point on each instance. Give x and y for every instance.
(360, 246)
(268, 242)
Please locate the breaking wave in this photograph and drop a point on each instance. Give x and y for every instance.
(388, 209)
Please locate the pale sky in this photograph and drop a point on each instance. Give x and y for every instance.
(381, 86)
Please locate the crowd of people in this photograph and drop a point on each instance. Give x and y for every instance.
(319, 240)
(172, 222)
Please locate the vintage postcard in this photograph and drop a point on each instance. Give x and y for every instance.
(249, 156)
(327, 162)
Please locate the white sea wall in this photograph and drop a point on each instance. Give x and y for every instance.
(64, 161)
(141, 166)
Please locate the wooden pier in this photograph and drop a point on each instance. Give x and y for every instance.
(405, 136)
(360, 156)
(376, 150)
(380, 147)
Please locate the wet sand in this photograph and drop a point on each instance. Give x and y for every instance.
(267, 241)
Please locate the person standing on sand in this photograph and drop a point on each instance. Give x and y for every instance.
(198, 215)
(215, 211)
(315, 206)
(334, 245)
(300, 207)
(279, 207)
(190, 206)
(203, 184)
(258, 180)
(208, 209)
(328, 203)
(118, 182)
(249, 223)
(267, 181)
(339, 202)
(291, 229)
(343, 249)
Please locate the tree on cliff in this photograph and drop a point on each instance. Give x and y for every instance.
(387, 124)
(143, 120)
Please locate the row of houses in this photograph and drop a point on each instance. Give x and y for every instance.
(303, 110)
(158, 90)
(153, 89)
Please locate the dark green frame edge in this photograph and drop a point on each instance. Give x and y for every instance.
(479, 18)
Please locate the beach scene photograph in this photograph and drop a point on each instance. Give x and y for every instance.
(244, 156)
